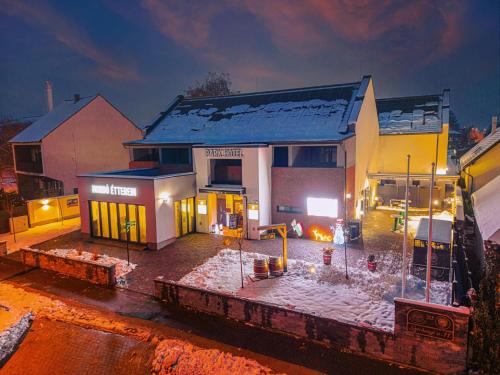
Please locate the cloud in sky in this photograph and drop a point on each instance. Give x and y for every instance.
(306, 27)
(68, 33)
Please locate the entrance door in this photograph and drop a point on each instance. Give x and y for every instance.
(184, 216)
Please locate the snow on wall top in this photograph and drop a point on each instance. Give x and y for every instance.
(484, 145)
(410, 115)
(308, 114)
(46, 124)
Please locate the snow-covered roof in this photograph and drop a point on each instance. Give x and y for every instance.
(315, 114)
(486, 202)
(53, 119)
(483, 145)
(441, 230)
(413, 115)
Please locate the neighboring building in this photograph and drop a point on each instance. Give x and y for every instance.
(78, 136)
(219, 164)
(417, 126)
(481, 164)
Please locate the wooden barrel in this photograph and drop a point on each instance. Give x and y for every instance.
(276, 266)
(260, 268)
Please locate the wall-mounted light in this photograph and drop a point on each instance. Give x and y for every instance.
(348, 195)
(165, 197)
(45, 204)
(441, 171)
(202, 207)
(253, 212)
(436, 202)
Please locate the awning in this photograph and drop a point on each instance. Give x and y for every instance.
(223, 189)
(486, 202)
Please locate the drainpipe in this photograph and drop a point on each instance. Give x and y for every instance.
(471, 179)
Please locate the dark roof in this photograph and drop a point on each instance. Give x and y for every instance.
(414, 114)
(53, 119)
(441, 230)
(306, 114)
(482, 146)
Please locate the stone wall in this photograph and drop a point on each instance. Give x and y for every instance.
(409, 345)
(92, 272)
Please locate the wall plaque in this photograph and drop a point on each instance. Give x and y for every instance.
(429, 324)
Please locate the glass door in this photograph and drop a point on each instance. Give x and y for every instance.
(184, 216)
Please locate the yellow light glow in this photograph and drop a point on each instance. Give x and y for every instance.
(436, 202)
(348, 195)
(376, 199)
(441, 171)
(45, 207)
(45, 202)
(165, 197)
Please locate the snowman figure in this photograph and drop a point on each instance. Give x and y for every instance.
(338, 238)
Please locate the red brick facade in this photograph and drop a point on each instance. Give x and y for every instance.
(292, 186)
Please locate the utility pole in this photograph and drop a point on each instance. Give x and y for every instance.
(429, 241)
(405, 237)
(345, 212)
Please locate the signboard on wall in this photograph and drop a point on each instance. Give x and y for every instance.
(224, 153)
(430, 324)
(114, 190)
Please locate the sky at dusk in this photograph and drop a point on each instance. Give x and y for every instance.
(141, 54)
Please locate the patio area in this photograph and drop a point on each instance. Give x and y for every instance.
(186, 253)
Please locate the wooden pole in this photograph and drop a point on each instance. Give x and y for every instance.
(345, 212)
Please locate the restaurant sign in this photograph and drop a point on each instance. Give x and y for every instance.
(430, 324)
(114, 190)
(223, 153)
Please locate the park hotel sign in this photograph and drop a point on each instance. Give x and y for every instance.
(224, 153)
(124, 191)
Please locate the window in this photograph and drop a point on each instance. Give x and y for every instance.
(322, 207)
(280, 156)
(289, 209)
(316, 157)
(108, 220)
(28, 158)
(176, 155)
(387, 182)
(226, 171)
(146, 154)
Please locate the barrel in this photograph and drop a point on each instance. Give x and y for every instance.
(276, 266)
(260, 268)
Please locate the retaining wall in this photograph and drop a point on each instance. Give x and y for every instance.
(92, 272)
(420, 339)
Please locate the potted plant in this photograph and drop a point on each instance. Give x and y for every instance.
(327, 255)
(372, 264)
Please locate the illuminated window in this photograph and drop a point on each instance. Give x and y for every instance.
(322, 207)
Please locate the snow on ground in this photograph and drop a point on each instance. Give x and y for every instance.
(413, 221)
(366, 298)
(121, 268)
(10, 337)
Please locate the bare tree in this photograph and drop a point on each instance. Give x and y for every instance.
(214, 84)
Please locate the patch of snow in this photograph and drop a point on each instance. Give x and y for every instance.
(365, 298)
(9, 338)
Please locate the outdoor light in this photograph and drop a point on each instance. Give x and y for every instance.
(436, 202)
(441, 171)
(202, 207)
(322, 207)
(165, 197)
(376, 199)
(45, 202)
(348, 195)
(253, 212)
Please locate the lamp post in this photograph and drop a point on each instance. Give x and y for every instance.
(405, 237)
(345, 212)
(429, 241)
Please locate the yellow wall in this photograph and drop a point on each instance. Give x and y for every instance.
(367, 141)
(43, 211)
(393, 149)
(483, 170)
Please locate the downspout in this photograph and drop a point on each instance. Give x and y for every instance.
(471, 179)
(437, 150)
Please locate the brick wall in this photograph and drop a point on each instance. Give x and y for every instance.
(292, 186)
(84, 270)
(446, 354)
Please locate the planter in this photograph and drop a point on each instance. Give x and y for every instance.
(327, 259)
(372, 264)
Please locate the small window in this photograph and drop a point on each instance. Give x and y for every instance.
(281, 157)
(387, 182)
(316, 157)
(415, 182)
(289, 209)
(176, 155)
(146, 154)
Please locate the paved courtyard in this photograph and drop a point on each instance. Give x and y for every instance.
(188, 252)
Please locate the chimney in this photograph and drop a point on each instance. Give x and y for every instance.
(494, 122)
(50, 97)
(76, 98)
